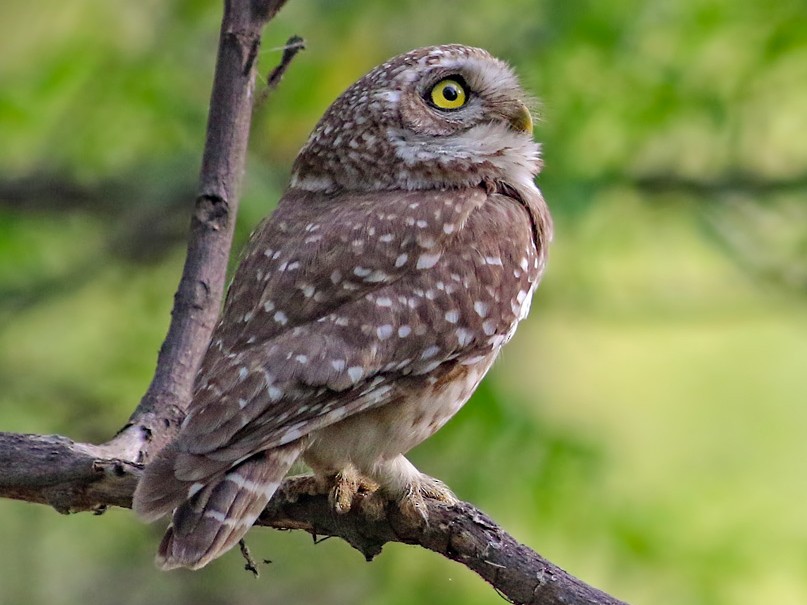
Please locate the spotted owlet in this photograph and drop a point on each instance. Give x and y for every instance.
(368, 306)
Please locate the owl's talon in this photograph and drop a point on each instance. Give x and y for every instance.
(437, 490)
(413, 504)
(346, 484)
(341, 495)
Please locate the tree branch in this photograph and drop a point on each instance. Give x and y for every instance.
(70, 477)
(196, 303)
(74, 477)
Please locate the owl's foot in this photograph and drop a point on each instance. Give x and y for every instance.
(345, 485)
(413, 503)
(341, 488)
(410, 489)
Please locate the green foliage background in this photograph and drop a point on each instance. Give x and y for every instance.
(646, 429)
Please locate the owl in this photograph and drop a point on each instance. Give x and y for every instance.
(367, 308)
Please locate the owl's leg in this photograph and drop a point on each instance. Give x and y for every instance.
(400, 481)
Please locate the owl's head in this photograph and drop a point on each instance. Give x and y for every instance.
(436, 117)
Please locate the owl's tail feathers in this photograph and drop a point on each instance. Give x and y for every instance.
(159, 491)
(212, 516)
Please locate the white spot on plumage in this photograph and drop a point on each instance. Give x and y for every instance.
(303, 359)
(384, 332)
(427, 261)
(401, 260)
(361, 271)
(383, 301)
(281, 318)
(497, 340)
(355, 373)
(481, 308)
(275, 393)
(430, 352)
(377, 276)
(464, 336)
(525, 307)
(452, 316)
(448, 228)
(403, 363)
(489, 327)
(404, 331)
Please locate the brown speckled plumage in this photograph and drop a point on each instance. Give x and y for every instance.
(368, 306)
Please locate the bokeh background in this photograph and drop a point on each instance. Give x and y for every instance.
(646, 429)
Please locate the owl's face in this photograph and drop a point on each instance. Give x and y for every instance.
(444, 116)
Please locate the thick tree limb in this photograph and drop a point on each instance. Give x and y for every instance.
(70, 477)
(74, 477)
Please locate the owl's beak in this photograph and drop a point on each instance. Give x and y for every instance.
(519, 118)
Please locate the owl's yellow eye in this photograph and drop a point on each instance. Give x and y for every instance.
(448, 94)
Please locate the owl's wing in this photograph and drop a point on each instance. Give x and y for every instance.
(342, 303)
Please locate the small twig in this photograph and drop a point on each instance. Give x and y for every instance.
(250, 564)
(293, 45)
